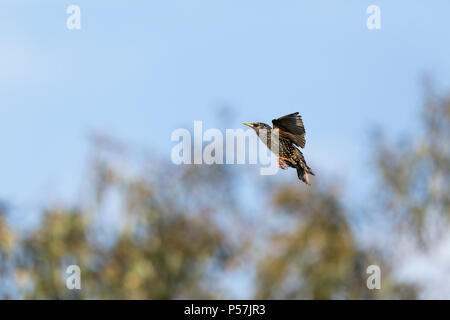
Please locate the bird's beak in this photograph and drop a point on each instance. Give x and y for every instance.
(248, 124)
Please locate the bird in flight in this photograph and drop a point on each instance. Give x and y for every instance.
(287, 133)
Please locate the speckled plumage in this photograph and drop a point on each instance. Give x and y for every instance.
(288, 132)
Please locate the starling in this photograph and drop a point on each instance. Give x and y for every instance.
(287, 133)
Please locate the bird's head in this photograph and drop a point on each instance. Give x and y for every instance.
(258, 126)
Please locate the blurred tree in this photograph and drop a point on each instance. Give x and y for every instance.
(414, 176)
(7, 244)
(164, 248)
(318, 257)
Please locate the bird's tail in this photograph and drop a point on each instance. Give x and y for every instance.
(302, 172)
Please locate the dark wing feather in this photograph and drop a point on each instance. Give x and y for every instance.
(291, 127)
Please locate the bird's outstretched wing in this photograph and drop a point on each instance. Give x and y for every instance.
(291, 127)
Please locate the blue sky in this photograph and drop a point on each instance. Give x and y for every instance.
(140, 69)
